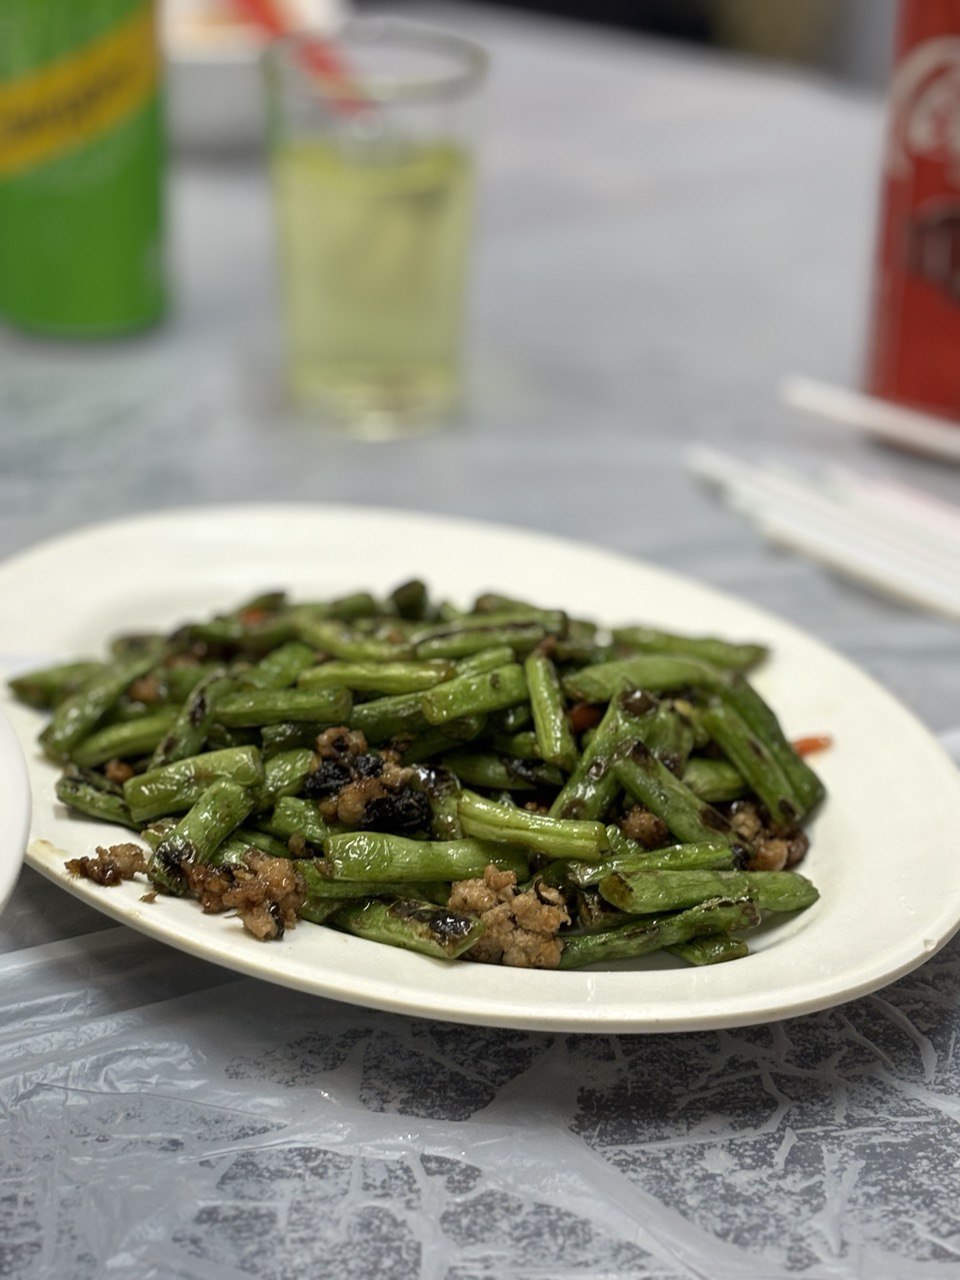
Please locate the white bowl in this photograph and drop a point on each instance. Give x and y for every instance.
(215, 95)
(14, 809)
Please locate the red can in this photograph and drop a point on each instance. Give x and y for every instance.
(914, 345)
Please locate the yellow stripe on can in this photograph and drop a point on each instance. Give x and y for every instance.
(74, 99)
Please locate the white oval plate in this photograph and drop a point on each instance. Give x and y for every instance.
(886, 847)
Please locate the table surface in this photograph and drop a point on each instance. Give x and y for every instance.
(661, 238)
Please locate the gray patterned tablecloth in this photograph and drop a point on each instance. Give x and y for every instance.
(661, 238)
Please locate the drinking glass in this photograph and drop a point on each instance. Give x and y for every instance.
(373, 179)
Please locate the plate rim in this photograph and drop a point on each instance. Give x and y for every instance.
(595, 1018)
(374, 995)
(16, 812)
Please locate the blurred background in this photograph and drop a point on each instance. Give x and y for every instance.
(851, 39)
(657, 211)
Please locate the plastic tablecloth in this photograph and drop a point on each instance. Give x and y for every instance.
(661, 237)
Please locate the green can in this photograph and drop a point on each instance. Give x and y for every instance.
(81, 166)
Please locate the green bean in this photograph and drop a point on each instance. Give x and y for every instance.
(643, 892)
(553, 837)
(321, 888)
(126, 740)
(285, 774)
(222, 632)
(418, 747)
(582, 653)
(220, 808)
(138, 645)
(512, 719)
(377, 677)
(691, 713)
(471, 694)
(501, 773)
(596, 915)
(445, 820)
(687, 816)
(333, 637)
(411, 600)
(358, 604)
(263, 602)
(48, 686)
(552, 874)
(319, 910)
(670, 736)
(593, 786)
(622, 846)
(280, 668)
(263, 842)
(496, 602)
(178, 682)
(483, 696)
(447, 611)
(485, 660)
(80, 713)
(190, 727)
(177, 786)
(657, 673)
(236, 848)
(287, 737)
(553, 621)
(390, 717)
(754, 762)
(519, 637)
(741, 695)
(466, 728)
(293, 816)
(678, 857)
(414, 925)
(715, 948)
(154, 834)
(739, 657)
(442, 789)
(549, 718)
(79, 794)
(522, 744)
(372, 855)
(713, 780)
(654, 933)
(280, 706)
(219, 738)
(128, 709)
(253, 638)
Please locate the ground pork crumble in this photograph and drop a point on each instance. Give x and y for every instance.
(363, 788)
(645, 827)
(771, 851)
(265, 892)
(117, 771)
(146, 689)
(520, 928)
(111, 865)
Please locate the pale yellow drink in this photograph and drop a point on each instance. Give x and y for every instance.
(373, 245)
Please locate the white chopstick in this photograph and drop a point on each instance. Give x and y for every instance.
(774, 489)
(884, 537)
(922, 510)
(911, 428)
(858, 561)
